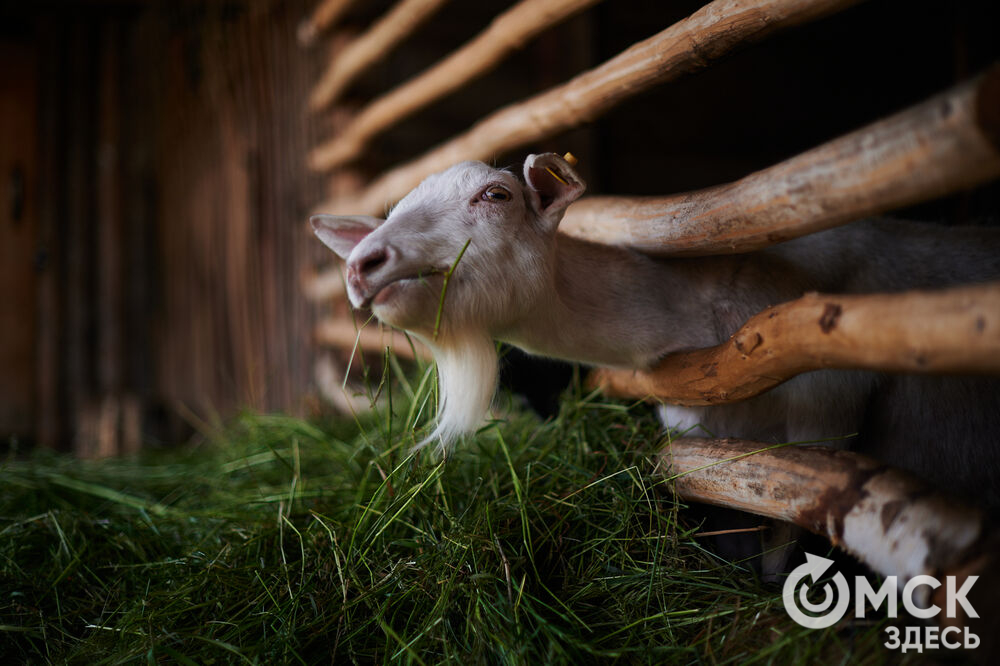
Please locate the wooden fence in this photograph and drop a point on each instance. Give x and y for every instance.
(947, 143)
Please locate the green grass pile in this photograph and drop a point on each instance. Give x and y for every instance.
(277, 540)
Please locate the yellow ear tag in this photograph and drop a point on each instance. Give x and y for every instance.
(571, 160)
(556, 176)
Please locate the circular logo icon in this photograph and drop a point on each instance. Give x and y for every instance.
(809, 614)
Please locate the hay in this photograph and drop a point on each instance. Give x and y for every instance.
(282, 541)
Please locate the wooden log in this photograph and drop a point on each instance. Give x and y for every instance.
(687, 46)
(326, 14)
(893, 522)
(343, 334)
(946, 144)
(324, 285)
(953, 330)
(367, 49)
(508, 32)
(344, 397)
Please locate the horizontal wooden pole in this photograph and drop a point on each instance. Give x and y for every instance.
(953, 331)
(687, 46)
(326, 14)
(507, 33)
(946, 144)
(895, 523)
(345, 397)
(325, 284)
(343, 334)
(367, 49)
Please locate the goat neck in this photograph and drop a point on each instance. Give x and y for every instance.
(612, 306)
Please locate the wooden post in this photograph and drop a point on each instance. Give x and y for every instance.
(20, 197)
(948, 143)
(53, 416)
(360, 54)
(109, 265)
(344, 334)
(687, 46)
(948, 331)
(78, 238)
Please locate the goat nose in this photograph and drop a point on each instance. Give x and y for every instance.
(371, 261)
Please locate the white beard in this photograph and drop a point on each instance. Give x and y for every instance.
(467, 369)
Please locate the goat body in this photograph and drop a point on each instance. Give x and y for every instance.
(522, 282)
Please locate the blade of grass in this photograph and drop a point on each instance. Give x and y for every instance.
(444, 287)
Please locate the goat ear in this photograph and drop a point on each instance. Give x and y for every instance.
(341, 233)
(552, 186)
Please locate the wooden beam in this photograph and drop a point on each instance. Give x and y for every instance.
(687, 46)
(367, 49)
(326, 14)
(947, 331)
(507, 33)
(21, 385)
(948, 143)
(325, 284)
(345, 397)
(893, 522)
(343, 334)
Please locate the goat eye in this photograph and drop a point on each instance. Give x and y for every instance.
(496, 193)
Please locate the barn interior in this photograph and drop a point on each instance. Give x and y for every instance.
(154, 255)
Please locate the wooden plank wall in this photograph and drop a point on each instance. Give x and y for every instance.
(172, 193)
(18, 228)
(232, 197)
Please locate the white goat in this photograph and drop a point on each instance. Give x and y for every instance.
(521, 282)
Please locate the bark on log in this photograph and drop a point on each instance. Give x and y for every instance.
(342, 333)
(947, 331)
(326, 14)
(948, 143)
(507, 33)
(893, 522)
(688, 45)
(391, 29)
